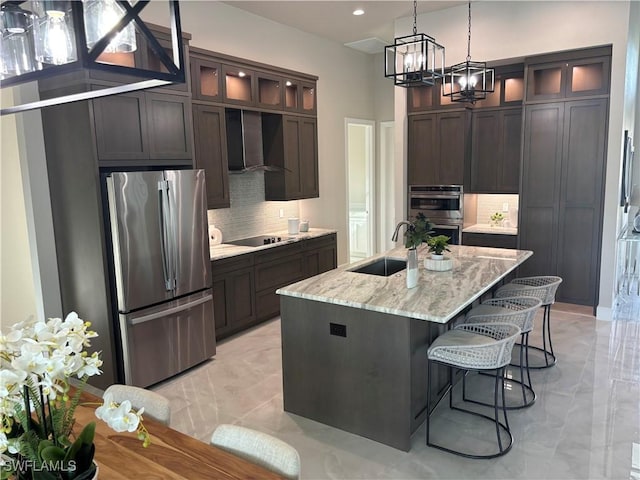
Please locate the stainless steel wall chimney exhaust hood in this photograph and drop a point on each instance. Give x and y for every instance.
(244, 141)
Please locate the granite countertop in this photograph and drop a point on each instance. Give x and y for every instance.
(486, 228)
(439, 296)
(224, 250)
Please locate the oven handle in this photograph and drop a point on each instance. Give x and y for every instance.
(447, 227)
(424, 195)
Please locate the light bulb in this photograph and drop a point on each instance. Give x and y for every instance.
(56, 39)
(470, 81)
(100, 16)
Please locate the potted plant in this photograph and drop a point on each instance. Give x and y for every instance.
(37, 440)
(438, 245)
(418, 232)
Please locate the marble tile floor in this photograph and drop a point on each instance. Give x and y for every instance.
(585, 423)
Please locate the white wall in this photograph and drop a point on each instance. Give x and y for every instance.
(503, 30)
(17, 293)
(345, 88)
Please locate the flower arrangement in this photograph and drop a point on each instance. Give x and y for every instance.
(37, 361)
(496, 218)
(418, 232)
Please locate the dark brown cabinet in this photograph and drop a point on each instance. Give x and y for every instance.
(206, 78)
(290, 143)
(581, 77)
(562, 198)
(438, 147)
(233, 294)
(143, 129)
(244, 286)
(495, 150)
(238, 85)
(211, 152)
(489, 240)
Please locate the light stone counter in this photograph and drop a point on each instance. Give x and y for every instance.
(486, 228)
(224, 250)
(439, 296)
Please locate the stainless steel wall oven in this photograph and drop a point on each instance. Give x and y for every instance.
(443, 205)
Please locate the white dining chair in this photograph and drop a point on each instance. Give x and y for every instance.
(155, 405)
(258, 447)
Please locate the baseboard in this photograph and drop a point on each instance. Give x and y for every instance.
(604, 313)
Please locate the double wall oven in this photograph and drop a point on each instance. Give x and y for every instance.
(442, 205)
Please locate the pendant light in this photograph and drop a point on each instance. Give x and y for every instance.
(42, 39)
(414, 60)
(468, 81)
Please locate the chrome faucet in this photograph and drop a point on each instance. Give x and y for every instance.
(395, 234)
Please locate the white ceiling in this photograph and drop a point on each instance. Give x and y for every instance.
(333, 19)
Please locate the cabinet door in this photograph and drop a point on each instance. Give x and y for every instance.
(121, 127)
(238, 85)
(206, 80)
(452, 137)
(542, 167)
(211, 153)
(511, 142)
(292, 161)
(270, 91)
(309, 97)
(422, 150)
(546, 81)
(308, 157)
(170, 132)
(486, 150)
(581, 200)
(588, 77)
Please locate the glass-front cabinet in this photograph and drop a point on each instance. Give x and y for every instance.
(238, 85)
(205, 80)
(300, 96)
(270, 91)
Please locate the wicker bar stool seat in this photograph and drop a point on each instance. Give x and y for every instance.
(519, 311)
(544, 288)
(478, 347)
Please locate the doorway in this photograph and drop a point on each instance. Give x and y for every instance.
(360, 187)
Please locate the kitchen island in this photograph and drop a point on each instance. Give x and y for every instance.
(354, 344)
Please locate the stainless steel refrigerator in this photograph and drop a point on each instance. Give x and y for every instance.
(162, 272)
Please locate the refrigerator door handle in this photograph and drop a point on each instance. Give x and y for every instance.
(171, 311)
(165, 235)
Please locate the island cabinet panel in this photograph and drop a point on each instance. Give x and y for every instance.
(211, 153)
(336, 360)
(438, 147)
(495, 150)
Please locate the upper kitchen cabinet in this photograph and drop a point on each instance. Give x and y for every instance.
(238, 85)
(438, 148)
(508, 89)
(420, 99)
(290, 146)
(495, 150)
(206, 78)
(270, 91)
(569, 75)
(143, 129)
(211, 152)
(144, 57)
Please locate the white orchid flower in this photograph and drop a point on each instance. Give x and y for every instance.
(120, 418)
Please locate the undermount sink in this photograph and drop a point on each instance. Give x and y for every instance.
(383, 267)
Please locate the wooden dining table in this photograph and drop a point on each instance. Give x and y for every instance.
(171, 455)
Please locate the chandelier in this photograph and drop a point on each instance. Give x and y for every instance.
(45, 38)
(468, 81)
(414, 60)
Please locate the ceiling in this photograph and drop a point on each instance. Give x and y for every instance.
(333, 19)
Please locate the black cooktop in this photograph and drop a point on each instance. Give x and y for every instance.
(257, 241)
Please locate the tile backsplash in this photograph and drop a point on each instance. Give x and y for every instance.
(489, 204)
(250, 214)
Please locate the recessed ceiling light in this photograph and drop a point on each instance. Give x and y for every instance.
(358, 11)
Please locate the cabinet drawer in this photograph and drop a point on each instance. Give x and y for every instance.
(230, 264)
(278, 252)
(319, 242)
(489, 240)
(279, 272)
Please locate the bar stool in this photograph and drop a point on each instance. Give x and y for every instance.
(544, 288)
(519, 311)
(478, 347)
